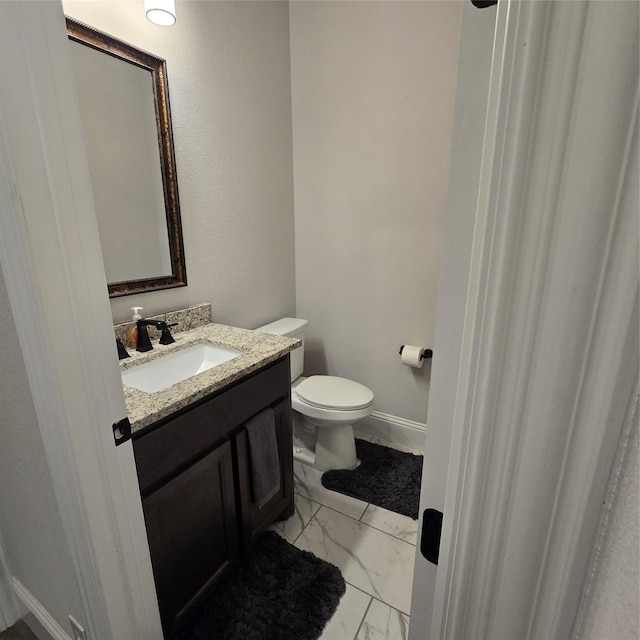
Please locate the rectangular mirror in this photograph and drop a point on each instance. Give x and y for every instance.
(124, 107)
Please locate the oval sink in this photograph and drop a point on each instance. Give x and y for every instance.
(175, 367)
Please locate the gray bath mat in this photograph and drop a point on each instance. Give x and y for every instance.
(277, 592)
(385, 477)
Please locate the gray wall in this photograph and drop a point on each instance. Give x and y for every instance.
(372, 85)
(230, 92)
(373, 88)
(35, 543)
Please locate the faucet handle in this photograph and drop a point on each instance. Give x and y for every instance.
(143, 343)
(122, 352)
(165, 336)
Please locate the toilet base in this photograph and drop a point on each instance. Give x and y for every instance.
(335, 448)
(323, 447)
(305, 447)
(308, 458)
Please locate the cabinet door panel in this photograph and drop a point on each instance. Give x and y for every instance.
(192, 530)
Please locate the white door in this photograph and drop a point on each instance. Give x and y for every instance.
(536, 350)
(51, 262)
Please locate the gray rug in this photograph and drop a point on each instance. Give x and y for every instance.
(277, 592)
(385, 477)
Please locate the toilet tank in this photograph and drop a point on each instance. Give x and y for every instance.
(291, 328)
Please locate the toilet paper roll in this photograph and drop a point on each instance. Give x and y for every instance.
(412, 356)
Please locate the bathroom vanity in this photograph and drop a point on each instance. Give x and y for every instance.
(193, 464)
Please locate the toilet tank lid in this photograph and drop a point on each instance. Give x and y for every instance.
(284, 327)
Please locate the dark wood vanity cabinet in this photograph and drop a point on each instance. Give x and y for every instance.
(194, 476)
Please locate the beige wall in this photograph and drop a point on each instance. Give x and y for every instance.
(229, 85)
(373, 88)
(35, 543)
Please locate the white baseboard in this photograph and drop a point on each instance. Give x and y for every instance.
(50, 627)
(9, 610)
(394, 429)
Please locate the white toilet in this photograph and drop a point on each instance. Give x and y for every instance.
(325, 408)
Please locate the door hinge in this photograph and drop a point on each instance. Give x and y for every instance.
(121, 431)
(431, 531)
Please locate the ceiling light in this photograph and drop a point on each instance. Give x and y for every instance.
(162, 12)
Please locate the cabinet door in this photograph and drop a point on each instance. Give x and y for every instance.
(192, 531)
(256, 520)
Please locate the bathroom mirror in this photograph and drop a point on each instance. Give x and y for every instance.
(124, 108)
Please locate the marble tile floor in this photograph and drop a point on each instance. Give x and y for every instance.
(374, 548)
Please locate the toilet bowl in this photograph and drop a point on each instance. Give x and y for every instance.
(325, 408)
(332, 405)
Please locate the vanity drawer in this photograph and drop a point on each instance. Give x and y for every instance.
(181, 439)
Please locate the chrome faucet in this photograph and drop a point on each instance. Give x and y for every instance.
(144, 342)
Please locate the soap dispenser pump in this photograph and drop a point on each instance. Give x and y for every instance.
(132, 329)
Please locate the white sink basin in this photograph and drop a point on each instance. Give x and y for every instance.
(163, 372)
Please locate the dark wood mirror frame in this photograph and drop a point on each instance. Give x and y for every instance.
(100, 41)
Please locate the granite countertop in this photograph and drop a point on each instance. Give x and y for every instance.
(258, 349)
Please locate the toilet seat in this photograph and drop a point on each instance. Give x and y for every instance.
(334, 393)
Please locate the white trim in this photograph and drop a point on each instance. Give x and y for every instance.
(51, 261)
(9, 613)
(394, 429)
(476, 47)
(549, 350)
(35, 607)
(21, 287)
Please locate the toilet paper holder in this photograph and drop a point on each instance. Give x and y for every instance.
(428, 353)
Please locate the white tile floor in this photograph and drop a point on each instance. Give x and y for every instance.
(374, 548)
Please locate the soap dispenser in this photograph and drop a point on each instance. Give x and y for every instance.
(132, 329)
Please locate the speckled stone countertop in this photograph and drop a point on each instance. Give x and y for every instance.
(258, 349)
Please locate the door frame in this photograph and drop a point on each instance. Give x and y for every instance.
(548, 362)
(52, 265)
